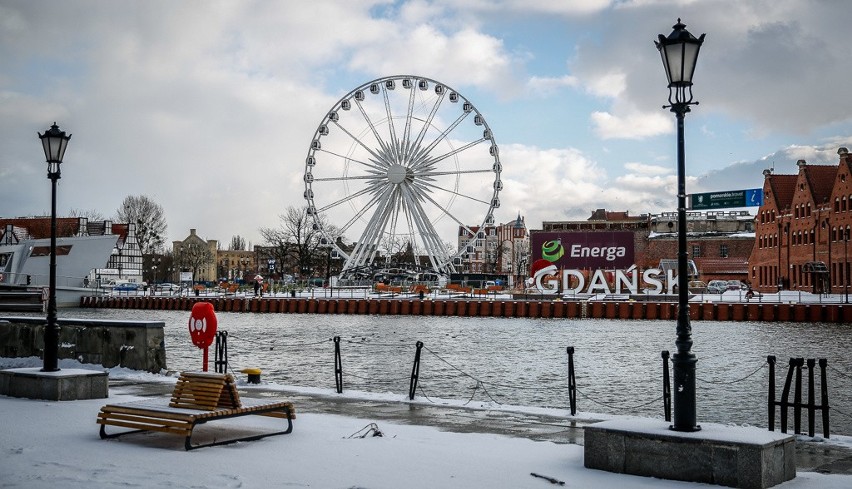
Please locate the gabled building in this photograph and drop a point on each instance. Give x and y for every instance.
(501, 249)
(802, 229)
(196, 255)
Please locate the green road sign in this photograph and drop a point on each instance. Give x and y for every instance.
(725, 199)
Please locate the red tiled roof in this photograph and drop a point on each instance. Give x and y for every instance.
(820, 178)
(39, 227)
(783, 188)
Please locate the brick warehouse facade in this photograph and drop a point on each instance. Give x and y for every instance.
(803, 229)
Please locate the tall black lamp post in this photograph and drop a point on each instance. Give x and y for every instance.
(680, 53)
(846, 263)
(54, 143)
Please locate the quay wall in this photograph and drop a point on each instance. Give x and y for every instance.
(137, 345)
(706, 311)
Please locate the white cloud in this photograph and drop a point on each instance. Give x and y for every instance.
(545, 86)
(644, 169)
(630, 126)
(610, 84)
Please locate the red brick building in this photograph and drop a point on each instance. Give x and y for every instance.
(803, 229)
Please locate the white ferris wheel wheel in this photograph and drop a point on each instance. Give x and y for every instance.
(406, 164)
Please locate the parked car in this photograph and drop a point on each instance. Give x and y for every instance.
(736, 285)
(697, 287)
(166, 287)
(717, 286)
(126, 287)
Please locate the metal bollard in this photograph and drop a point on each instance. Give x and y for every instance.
(220, 361)
(572, 382)
(338, 366)
(667, 387)
(415, 371)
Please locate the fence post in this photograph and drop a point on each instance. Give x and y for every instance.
(667, 387)
(338, 366)
(415, 371)
(572, 382)
(797, 397)
(771, 403)
(811, 400)
(824, 396)
(785, 395)
(220, 362)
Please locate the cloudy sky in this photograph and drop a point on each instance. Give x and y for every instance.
(209, 108)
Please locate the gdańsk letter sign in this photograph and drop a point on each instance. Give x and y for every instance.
(599, 262)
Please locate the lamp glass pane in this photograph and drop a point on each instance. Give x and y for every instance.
(674, 58)
(690, 56)
(45, 144)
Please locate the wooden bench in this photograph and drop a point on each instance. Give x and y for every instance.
(198, 398)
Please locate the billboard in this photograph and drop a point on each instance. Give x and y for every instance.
(605, 250)
(729, 198)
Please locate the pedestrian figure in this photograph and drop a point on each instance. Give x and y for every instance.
(256, 287)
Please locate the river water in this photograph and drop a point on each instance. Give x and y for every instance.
(521, 361)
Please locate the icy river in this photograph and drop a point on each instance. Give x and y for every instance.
(523, 361)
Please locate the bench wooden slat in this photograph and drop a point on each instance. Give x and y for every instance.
(130, 409)
(145, 422)
(205, 397)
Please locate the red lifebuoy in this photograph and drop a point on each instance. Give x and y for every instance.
(202, 324)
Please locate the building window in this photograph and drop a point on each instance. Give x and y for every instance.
(837, 204)
(723, 251)
(809, 209)
(696, 251)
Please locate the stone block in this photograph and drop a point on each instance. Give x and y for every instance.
(744, 457)
(62, 385)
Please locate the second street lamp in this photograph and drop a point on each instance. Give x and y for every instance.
(53, 142)
(679, 52)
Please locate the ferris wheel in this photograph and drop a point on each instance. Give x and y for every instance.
(403, 166)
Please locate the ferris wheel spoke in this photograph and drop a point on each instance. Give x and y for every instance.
(375, 155)
(358, 214)
(394, 144)
(456, 193)
(375, 131)
(347, 178)
(370, 239)
(431, 240)
(424, 152)
(348, 198)
(409, 115)
(428, 122)
(431, 161)
(457, 172)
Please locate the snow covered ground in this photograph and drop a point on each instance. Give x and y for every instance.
(56, 444)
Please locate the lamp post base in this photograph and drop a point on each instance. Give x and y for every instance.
(683, 393)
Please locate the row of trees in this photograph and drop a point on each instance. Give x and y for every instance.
(295, 245)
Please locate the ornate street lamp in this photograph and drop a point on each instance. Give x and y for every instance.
(54, 143)
(680, 53)
(846, 263)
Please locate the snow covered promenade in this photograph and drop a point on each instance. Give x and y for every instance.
(56, 444)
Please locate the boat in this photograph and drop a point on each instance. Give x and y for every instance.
(25, 267)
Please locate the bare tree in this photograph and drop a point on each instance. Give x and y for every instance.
(193, 256)
(150, 222)
(295, 243)
(238, 243)
(90, 214)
